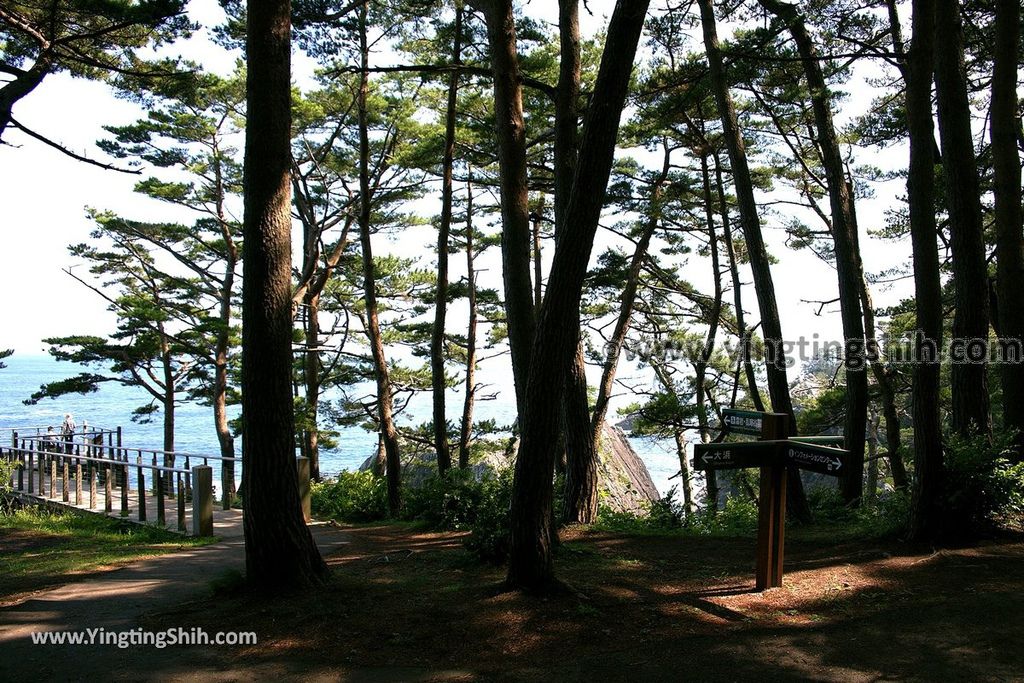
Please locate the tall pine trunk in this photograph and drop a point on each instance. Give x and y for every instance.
(847, 253)
(510, 129)
(530, 560)
(778, 383)
(385, 400)
(438, 380)
(1009, 240)
(581, 450)
(925, 521)
(280, 553)
(967, 242)
(466, 432)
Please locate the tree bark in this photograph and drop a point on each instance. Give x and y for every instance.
(883, 378)
(700, 367)
(778, 383)
(581, 449)
(510, 130)
(280, 553)
(385, 400)
(967, 242)
(466, 433)
(1009, 239)
(530, 561)
(438, 379)
(745, 334)
(847, 255)
(925, 519)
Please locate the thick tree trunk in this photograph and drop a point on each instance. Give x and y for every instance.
(925, 520)
(530, 561)
(280, 553)
(466, 432)
(778, 383)
(967, 241)
(385, 401)
(1009, 239)
(581, 450)
(510, 131)
(438, 379)
(742, 331)
(847, 254)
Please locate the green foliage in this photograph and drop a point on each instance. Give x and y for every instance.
(7, 469)
(351, 497)
(5, 354)
(490, 539)
(451, 501)
(982, 485)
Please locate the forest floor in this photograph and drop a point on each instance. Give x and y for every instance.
(408, 605)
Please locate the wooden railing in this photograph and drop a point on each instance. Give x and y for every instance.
(48, 474)
(48, 469)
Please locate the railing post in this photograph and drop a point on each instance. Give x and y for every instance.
(65, 484)
(202, 500)
(302, 463)
(142, 488)
(53, 477)
(21, 470)
(161, 513)
(123, 469)
(227, 480)
(31, 472)
(108, 491)
(92, 487)
(78, 483)
(181, 505)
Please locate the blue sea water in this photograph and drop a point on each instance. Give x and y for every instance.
(113, 404)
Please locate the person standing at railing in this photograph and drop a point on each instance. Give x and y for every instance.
(68, 432)
(50, 440)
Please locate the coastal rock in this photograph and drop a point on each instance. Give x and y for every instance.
(625, 483)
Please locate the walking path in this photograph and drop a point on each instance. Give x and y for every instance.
(115, 601)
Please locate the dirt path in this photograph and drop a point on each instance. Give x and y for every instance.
(115, 601)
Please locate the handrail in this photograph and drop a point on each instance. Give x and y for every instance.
(106, 461)
(155, 451)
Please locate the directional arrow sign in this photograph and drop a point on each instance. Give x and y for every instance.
(820, 459)
(742, 421)
(731, 456)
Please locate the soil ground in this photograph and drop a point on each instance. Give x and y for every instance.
(406, 605)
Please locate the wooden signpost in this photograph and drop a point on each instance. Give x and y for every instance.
(772, 454)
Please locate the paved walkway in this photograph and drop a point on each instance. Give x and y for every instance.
(115, 601)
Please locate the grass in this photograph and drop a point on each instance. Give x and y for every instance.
(40, 548)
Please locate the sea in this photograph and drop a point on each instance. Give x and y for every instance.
(112, 406)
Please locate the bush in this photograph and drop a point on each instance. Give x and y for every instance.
(351, 497)
(450, 502)
(982, 486)
(490, 537)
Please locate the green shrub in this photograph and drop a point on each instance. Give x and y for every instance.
(490, 536)
(663, 515)
(738, 516)
(351, 497)
(450, 502)
(982, 485)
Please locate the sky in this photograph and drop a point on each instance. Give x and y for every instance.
(44, 195)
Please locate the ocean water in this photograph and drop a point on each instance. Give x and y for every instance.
(113, 404)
